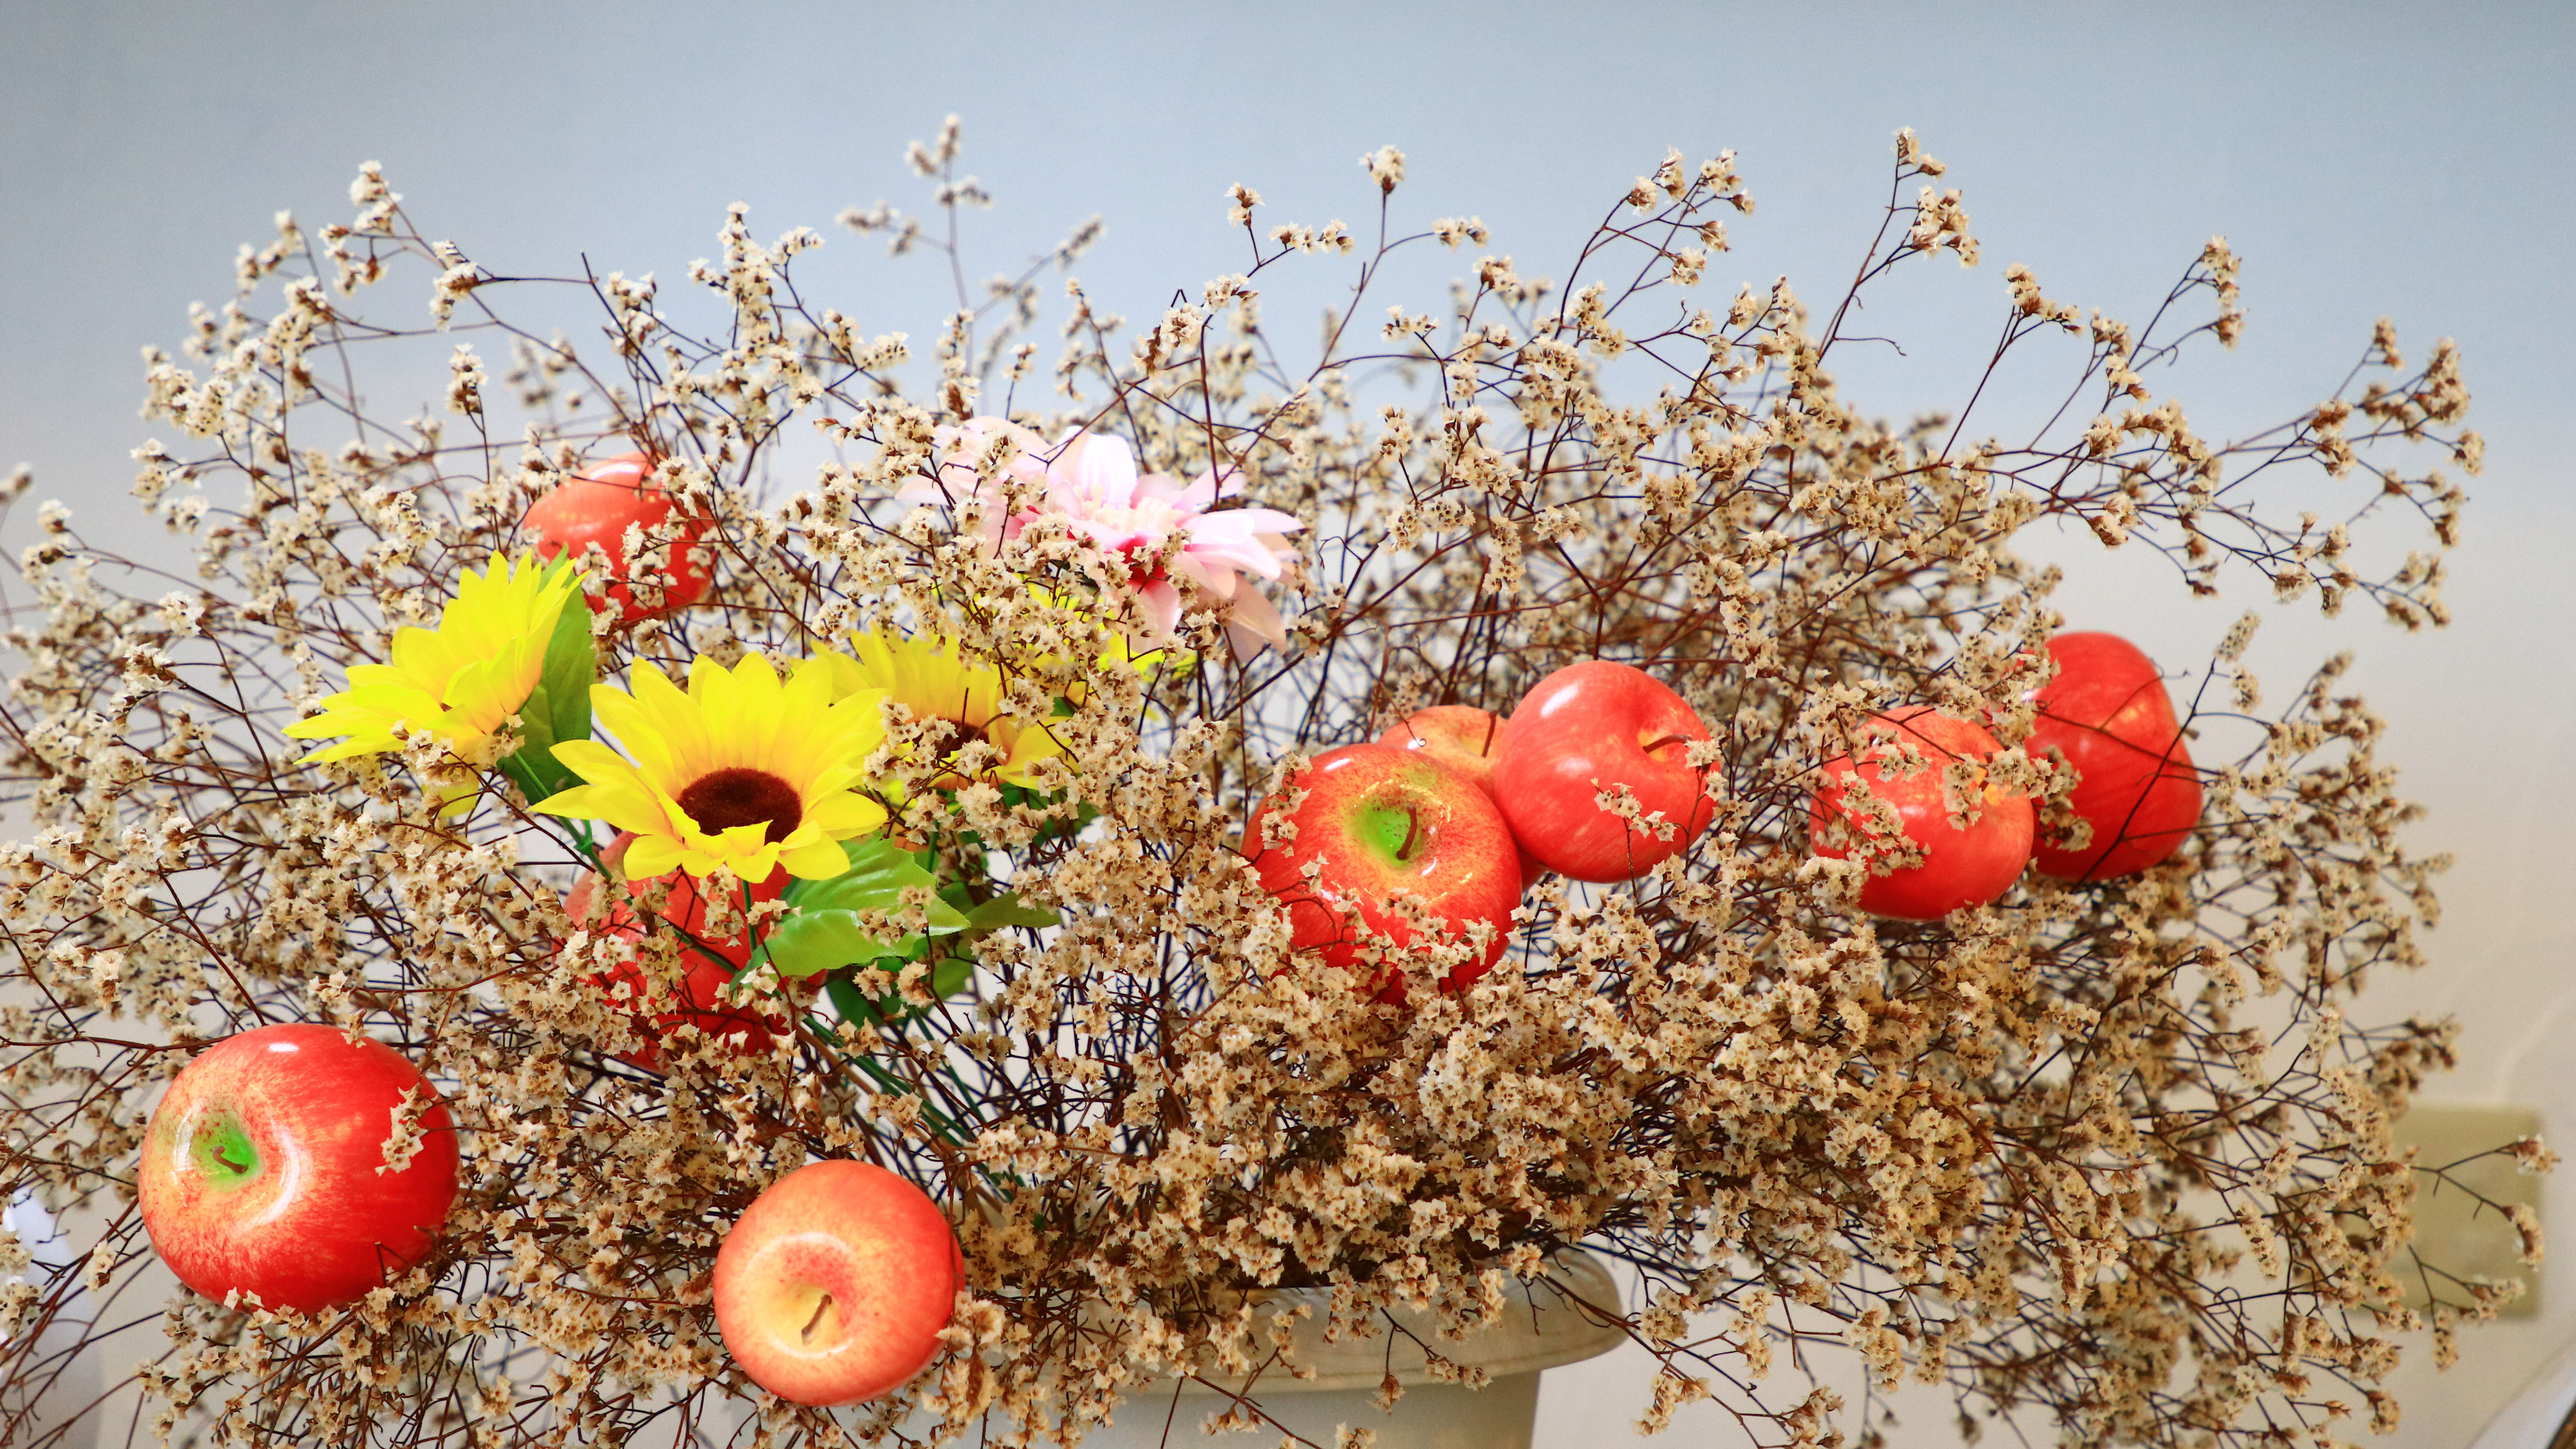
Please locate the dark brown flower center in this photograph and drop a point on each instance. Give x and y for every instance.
(728, 798)
(945, 737)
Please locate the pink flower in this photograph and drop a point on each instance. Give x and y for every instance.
(1091, 483)
(961, 451)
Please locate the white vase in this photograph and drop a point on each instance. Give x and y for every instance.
(1538, 1330)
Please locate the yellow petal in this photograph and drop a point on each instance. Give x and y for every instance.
(845, 814)
(821, 860)
(651, 855)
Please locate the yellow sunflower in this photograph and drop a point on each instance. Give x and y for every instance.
(1146, 660)
(932, 679)
(459, 681)
(744, 770)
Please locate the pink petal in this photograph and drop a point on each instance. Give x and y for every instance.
(1097, 468)
(1240, 553)
(1109, 536)
(1255, 624)
(1194, 566)
(1264, 520)
(959, 447)
(1253, 610)
(1161, 605)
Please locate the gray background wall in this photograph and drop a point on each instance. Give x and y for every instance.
(2363, 158)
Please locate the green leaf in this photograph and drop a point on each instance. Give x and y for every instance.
(1054, 829)
(852, 1003)
(880, 872)
(812, 941)
(571, 668)
(558, 709)
(825, 933)
(947, 977)
(537, 773)
(1007, 909)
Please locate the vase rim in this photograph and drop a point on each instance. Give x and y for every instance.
(1539, 1328)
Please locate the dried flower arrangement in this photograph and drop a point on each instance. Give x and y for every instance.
(971, 728)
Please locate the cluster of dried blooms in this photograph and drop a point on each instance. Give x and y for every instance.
(2110, 1155)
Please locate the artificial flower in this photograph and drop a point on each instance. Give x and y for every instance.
(1162, 529)
(1094, 484)
(961, 450)
(1120, 651)
(743, 771)
(460, 681)
(933, 679)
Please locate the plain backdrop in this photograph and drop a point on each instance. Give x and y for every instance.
(2364, 159)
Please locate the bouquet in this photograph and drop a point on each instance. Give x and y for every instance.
(1097, 838)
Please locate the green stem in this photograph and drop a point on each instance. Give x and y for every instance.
(948, 1129)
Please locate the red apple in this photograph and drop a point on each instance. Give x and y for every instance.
(1466, 739)
(1382, 821)
(1960, 867)
(834, 1284)
(1580, 731)
(710, 963)
(1460, 736)
(596, 506)
(2108, 711)
(264, 1169)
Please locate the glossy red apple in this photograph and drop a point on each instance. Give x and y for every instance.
(2108, 711)
(1383, 821)
(834, 1284)
(1960, 867)
(1577, 733)
(1460, 736)
(597, 506)
(709, 961)
(1466, 739)
(263, 1169)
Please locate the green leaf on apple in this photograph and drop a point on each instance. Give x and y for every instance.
(558, 709)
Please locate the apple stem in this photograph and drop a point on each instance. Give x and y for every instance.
(821, 1307)
(1412, 831)
(1675, 739)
